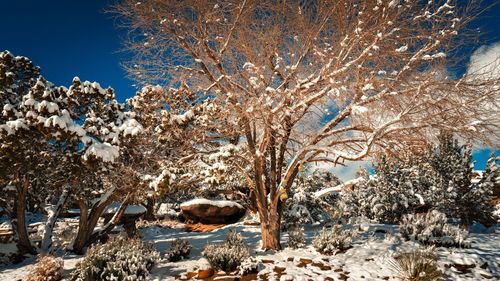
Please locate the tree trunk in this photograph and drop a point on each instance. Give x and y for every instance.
(19, 222)
(271, 228)
(79, 243)
(89, 221)
(52, 214)
(94, 236)
(150, 209)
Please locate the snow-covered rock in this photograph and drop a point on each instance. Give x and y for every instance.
(212, 211)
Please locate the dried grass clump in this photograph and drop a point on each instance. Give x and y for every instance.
(47, 268)
(419, 265)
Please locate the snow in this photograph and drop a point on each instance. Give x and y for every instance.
(358, 109)
(217, 203)
(130, 210)
(166, 210)
(368, 87)
(8, 248)
(248, 65)
(17, 124)
(402, 49)
(338, 188)
(103, 151)
(50, 106)
(181, 119)
(368, 259)
(130, 127)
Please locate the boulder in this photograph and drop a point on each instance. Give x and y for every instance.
(212, 211)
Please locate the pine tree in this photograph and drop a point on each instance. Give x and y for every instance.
(457, 196)
(440, 179)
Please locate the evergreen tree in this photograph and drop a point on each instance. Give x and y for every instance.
(457, 196)
(440, 179)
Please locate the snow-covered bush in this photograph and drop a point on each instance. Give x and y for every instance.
(302, 206)
(399, 188)
(419, 265)
(47, 268)
(118, 259)
(432, 228)
(179, 249)
(296, 238)
(328, 241)
(439, 179)
(248, 266)
(228, 255)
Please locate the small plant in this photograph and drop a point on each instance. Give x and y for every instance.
(179, 249)
(118, 259)
(328, 241)
(249, 266)
(419, 265)
(47, 268)
(234, 239)
(432, 229)
(296, 238)
(228, 255)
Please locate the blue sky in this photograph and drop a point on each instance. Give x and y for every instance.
(68, 38)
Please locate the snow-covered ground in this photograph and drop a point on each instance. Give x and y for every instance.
(368, 259)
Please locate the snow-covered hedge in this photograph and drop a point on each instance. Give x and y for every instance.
(328, 241)
(179, 249)
(228, 255)
(118, 259)
(432, 228)
(296, 238)
(47, 268)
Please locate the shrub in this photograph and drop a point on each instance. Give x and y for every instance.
(432, 229)
(234, 239)
(179, 249)
(302, 206)
(440, 179)
(47, 268)
(248, 266)
(398, 188)
(118, 259)
(228, 255)
(296, 238)
(328, 241)
(418, 265)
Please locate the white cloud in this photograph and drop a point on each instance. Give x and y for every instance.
(485, 62)
(347, 172)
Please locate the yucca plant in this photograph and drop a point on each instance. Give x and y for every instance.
(418, 265)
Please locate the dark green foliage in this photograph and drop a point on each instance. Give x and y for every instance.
(457, 196)
(441, 179)
(228, 255)
(179, 249)
(118, 259)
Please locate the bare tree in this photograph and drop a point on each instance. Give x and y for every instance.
(299, 82)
